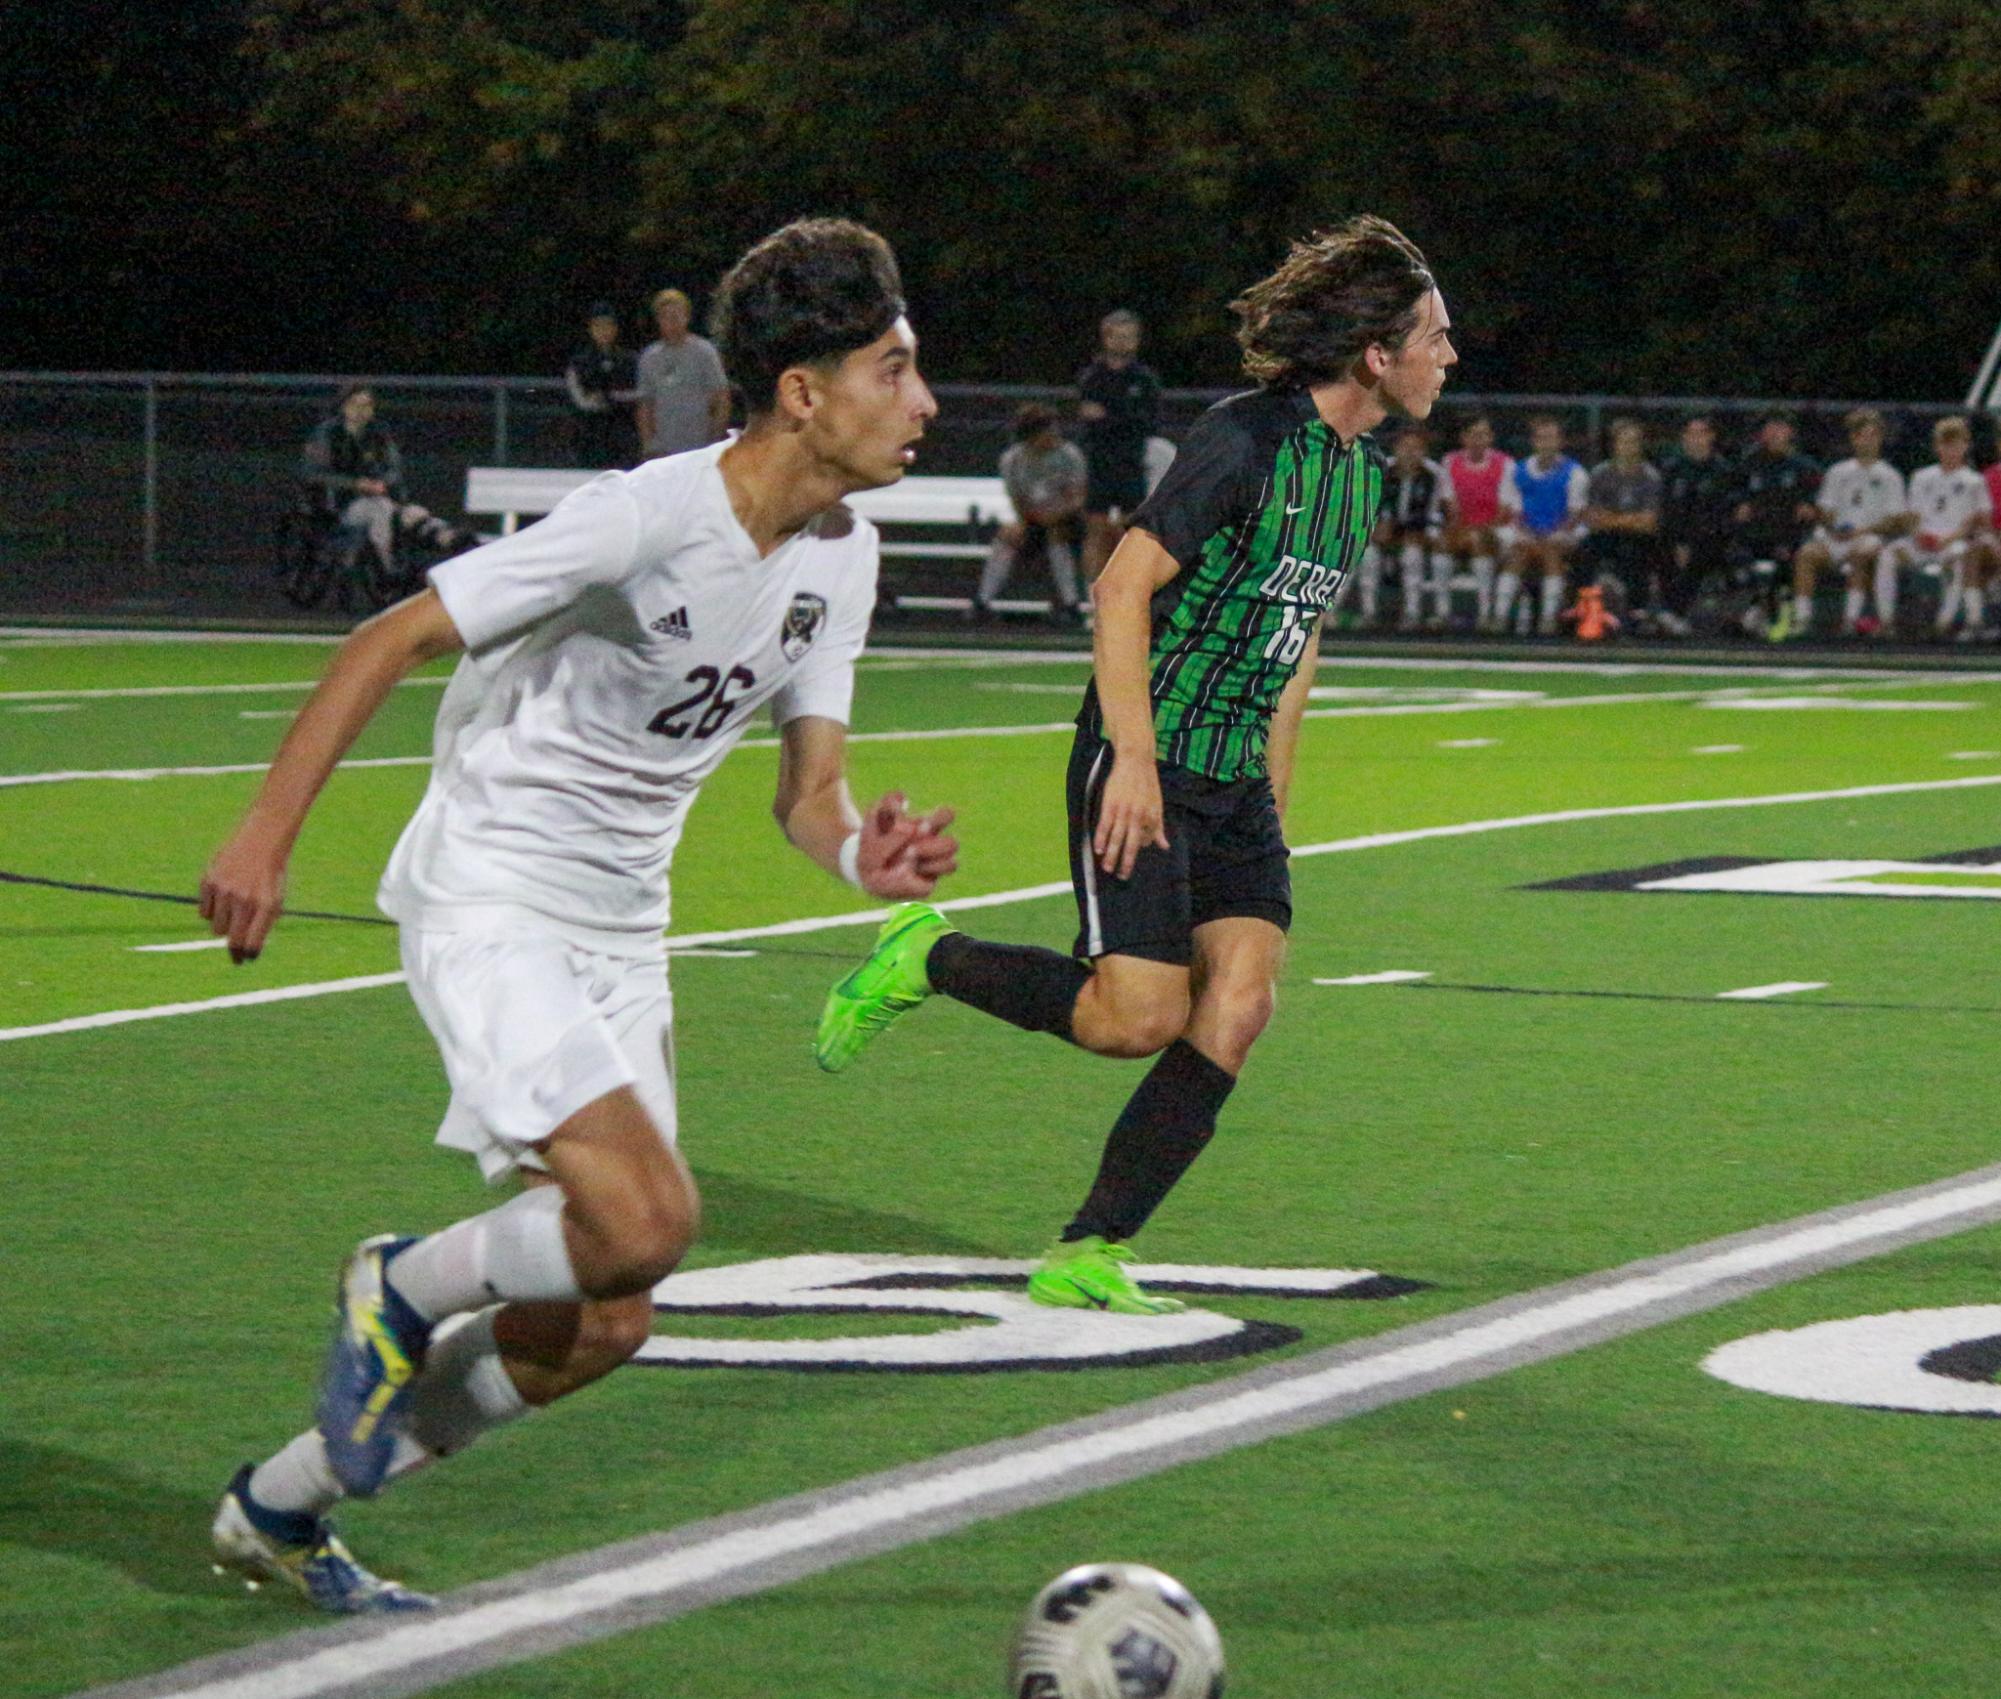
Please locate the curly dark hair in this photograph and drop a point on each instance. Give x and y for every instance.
(806, 295)
(1337, 292)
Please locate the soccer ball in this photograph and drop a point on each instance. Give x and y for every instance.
(1116, 1631)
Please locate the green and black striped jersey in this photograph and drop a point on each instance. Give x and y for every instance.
(1267, 512)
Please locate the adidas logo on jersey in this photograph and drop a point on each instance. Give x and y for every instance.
(674, 625)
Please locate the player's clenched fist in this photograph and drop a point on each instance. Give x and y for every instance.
(901, 854)
(243, 892)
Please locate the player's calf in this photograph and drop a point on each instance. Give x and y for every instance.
(553, 1350)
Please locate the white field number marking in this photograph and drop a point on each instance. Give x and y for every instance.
(1842, 879)
(1005, 1330)
(1876, 1362)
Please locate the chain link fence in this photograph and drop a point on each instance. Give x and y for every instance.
(162, 494)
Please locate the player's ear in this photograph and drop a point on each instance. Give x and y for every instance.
(797, 394)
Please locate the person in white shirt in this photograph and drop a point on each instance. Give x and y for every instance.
(1952, 520)
(612, 655)
(1862, 509)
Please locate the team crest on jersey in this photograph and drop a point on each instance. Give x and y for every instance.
(802, 624)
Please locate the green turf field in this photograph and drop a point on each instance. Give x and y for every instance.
(1566, 1091)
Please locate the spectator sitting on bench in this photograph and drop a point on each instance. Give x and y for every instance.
(354, 472)
(1863, 508)
(1622, 521)
(1046, 479)
(1548, 491)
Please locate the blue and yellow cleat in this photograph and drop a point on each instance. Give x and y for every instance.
(304, 1553)
(377, 1349)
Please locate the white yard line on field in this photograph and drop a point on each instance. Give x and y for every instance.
(428, 681)
(1028, 893)
(1040, 728)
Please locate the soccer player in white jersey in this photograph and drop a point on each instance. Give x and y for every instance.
(1862, 510)
(613, 654)
(1952, 515)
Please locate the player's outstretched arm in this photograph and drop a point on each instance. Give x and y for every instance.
(895, 854)
(243, 891)
(1130, 814)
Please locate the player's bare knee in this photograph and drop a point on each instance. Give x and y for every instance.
(665, 1220)
(1238, 1015)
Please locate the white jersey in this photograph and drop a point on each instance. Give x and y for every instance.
(1942, 502)
(1855, 497)
(615, 652)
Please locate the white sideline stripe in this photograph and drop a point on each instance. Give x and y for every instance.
(174, 949)
(1717, 749)
(139, 773)
(1975, 755)
(1759, 993)
(161, 1011)
(45, 707)
(428, 682)
(1467, 742)
(970, 1486)
(1061, 887)
(1389, 976)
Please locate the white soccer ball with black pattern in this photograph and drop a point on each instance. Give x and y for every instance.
(1116, 1631)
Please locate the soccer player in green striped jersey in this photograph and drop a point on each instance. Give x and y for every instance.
(1208, 630)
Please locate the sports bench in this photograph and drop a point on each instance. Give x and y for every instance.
(926, 518)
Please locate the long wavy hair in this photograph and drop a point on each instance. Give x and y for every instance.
(1338, 292)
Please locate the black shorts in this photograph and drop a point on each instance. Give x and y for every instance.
(1115, 484)
(1226, 857)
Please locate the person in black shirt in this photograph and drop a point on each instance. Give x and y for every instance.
(1407, 532)
(603, 381)
(1776, 487)
(1697, 499)
(1118, 403)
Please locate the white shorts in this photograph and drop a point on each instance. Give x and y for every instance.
(1854, 549)
(531, 1029)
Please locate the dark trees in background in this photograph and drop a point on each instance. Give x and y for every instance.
(1768, 196)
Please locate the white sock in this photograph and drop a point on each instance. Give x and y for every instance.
(1485, 589)
(1552, 599)
(1063, 569)
(514, 1252)
(1441, 584)
(1851, 609)
(1501, 602)
(1976, 608)
(1000, 564)
(297, 1479)
(1802, 610)
(1886, 587)
(464, 1391)
(1955, 593)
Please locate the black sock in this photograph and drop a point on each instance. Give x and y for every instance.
(1160, 1132)
(1023, 983)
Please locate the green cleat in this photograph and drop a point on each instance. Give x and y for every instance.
(1087, 1274)
(888, 984)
